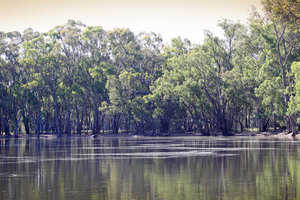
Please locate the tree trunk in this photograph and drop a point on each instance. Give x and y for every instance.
(246, 118)
(206, 128)
(79, 121)
(235, 125)
(37, 125)
(274, 118)
(6, 127)
(242, 126)
(103, 124)
(16, 131)
(264, 124)
(36, 122)
(26, 123)
(164, 125)
(292, 125)
(283, 58)
(47, 123)
(153, 126)
(224, 125)
(115, 124)
(1, 124)
(57, 121)
(224, 129)
(96, 128)
(68, 122)
(274, 122)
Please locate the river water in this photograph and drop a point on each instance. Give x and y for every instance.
(138, 168)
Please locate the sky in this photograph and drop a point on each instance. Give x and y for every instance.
(171, 18)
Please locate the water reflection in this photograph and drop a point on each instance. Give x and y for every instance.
(149, 168)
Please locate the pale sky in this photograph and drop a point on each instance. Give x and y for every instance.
(171, 18)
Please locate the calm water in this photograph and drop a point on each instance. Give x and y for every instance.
(149, 168)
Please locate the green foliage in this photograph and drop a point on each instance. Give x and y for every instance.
(284, 10)
(77, 77)
(294, 103)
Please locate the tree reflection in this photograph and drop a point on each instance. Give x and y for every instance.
(108, 168)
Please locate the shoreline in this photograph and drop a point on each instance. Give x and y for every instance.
(245, 134)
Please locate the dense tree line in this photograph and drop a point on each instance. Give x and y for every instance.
(77, 78)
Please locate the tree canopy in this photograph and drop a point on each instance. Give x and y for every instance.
(79, 79)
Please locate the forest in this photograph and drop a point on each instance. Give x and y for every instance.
(77, 79)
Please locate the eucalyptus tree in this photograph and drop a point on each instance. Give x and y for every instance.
(165, 104)
(69, 36)
(85, 77)
(178, 47)
(50, 65)
(28, 70)
(118, 98)
(121, 46)
(139, 62)
(199, 78)
(282, 41)
(81, 104)
(35, 94)
(294, 104)
(245, 76)
(11, 78)
(148, 67)
(166, 90)
(5, 102)
(216, 68)
(32, 94)
(93, 68)
(41, 78)
(5, 107)
(166, 95)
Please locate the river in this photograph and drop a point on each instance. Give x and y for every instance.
(170, 168)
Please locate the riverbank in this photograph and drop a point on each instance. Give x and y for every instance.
(247, 134)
